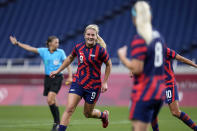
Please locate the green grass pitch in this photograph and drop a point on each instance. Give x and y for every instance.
(38, 118)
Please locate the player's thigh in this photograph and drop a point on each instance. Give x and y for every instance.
(139, 125)
(73, 100)
(174, 106)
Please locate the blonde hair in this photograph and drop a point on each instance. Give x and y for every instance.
(99, 39)
(143, 20)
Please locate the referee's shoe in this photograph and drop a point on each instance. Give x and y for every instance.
(55, 127)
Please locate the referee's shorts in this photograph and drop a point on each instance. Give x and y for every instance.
(52, 84)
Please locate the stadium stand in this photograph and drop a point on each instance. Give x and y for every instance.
(33, 21)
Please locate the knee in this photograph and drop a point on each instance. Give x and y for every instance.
(175, 113)
(50, 101)
(70, 110)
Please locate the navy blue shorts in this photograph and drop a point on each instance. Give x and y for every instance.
(171, 94)
(145, 111)
(89, 95)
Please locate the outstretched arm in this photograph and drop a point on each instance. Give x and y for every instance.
(185, 60)
(24, 46)
(65, 64)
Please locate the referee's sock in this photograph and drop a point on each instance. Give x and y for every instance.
(55, 112)
(62, 128)
(187, 120)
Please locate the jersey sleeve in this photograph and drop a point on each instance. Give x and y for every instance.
(138, 49)
(170, 53)
(41, 51)
(74, 52)
(104, 55)
(63, 55)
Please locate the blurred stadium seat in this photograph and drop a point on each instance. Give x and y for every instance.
(33, 21)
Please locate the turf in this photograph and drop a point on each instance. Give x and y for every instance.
(38, 118)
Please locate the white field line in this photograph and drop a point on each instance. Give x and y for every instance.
(13, 124)
(74, 122)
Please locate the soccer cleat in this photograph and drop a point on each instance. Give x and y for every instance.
(105, 119)
(55, 127)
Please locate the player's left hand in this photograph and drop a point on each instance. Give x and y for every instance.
(131, 74)
(68, 81)
(104, 87)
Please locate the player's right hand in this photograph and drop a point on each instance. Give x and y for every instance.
(53, 73)
(104, 87)
(13, 40)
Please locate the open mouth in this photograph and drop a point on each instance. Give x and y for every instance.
(90, 39)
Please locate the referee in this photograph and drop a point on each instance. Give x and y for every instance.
(52, 58)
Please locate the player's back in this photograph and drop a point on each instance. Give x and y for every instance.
(150, 83)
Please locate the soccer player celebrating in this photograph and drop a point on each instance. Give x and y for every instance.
(87, 81)
(147, 67)
(53, 58)
(172, 91)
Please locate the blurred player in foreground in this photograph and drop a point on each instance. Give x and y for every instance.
(172, 91)
(87, 81)
(147, 66)
(52, 58)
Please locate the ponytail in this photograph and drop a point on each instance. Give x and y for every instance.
(143, 21)
(101, 42)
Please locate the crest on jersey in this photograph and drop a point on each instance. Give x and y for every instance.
(92, 55)
(81, 59)
(56, 62)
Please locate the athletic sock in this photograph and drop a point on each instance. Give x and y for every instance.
(195, 128)
(187, 120)
(55, 112)
(102, 115)
(62, 128)
(57, 115)
(155, 125)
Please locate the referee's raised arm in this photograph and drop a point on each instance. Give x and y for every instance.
(22, 45)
